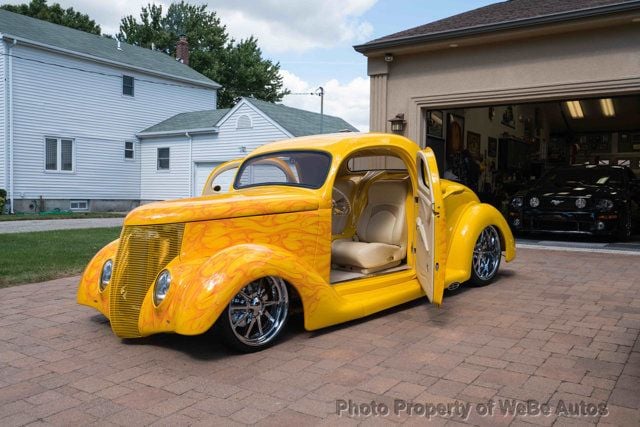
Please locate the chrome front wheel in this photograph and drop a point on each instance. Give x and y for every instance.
(486, 256)
(257, 314)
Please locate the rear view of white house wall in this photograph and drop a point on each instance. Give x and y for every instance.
(53, 100)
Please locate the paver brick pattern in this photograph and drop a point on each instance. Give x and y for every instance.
(554, 326)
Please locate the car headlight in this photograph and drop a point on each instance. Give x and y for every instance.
(517, 202)
(581, 203)
(161, 287)
(534, 202)
(105, 276)
(604, 204)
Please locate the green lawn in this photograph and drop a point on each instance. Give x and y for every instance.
(60, 215)
(46, 255)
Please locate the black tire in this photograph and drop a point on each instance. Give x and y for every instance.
(625, 228)
(256, 316)
(486, 257)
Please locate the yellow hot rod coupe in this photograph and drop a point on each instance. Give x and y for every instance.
(341, 226)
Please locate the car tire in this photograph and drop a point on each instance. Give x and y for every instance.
(625, 227)
(486, 257)
(256, 316)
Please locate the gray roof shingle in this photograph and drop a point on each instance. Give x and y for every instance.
(189, 121)
(296, 121)
(64, 38)
(497, 13)
(301, 122)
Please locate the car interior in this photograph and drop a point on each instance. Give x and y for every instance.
(371, 193)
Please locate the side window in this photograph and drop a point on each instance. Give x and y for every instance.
(129, 153)
(59, 155)
(127, 85)
(163, 158)
(224, 180)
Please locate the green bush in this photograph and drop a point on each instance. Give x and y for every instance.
(3, 199)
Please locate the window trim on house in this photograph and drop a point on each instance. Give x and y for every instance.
(132, 86)
(78, 202)
(168, 158)
(132, 150)
(58, 169)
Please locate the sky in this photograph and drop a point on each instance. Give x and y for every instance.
(311, 39)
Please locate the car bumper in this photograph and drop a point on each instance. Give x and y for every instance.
(581, 223)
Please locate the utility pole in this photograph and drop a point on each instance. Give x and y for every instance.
(320, 93)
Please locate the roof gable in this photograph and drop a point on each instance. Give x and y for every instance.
(510, 11)
(66, 39)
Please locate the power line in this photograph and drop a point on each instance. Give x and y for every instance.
(83, 70)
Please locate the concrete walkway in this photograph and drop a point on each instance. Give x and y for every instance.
(57, 224)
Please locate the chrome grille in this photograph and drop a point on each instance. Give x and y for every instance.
(143, 252)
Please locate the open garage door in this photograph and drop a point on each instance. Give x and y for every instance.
(563, 167)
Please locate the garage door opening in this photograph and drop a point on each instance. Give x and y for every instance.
(507, 153)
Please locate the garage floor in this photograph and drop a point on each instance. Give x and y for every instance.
(552, 328)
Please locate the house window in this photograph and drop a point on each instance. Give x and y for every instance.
(59, 155)
(129, 153)
(244, 122)
(127, 85)
(79, 205)
(163, 158)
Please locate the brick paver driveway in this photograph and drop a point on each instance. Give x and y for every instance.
(556, 326)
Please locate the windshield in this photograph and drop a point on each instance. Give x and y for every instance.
(307, 169)
(585, 176)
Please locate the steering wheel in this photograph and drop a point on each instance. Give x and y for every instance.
(340, 203)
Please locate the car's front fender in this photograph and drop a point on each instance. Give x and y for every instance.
(202, 289)
(475, 218)
(88, 290)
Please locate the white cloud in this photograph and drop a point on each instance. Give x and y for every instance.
(349, 101)
(297, 26)
(280, 25)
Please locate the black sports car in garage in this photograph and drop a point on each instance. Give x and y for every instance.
(582, 199)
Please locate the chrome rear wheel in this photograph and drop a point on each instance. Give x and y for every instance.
(486, 256)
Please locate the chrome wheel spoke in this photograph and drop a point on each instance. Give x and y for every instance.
(258, 312)
(486, 254)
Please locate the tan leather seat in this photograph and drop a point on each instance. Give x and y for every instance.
(381, 232)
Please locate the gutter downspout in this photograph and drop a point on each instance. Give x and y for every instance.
(10, 145)
(190, 163)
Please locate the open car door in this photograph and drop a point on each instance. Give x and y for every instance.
(431, 238)
(221, 178)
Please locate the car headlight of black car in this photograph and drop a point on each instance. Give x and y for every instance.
(534, 202)
(517, 202)
(604, 205)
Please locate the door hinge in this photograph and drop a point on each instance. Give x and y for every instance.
(417, 199)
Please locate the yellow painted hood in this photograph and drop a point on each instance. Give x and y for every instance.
(243, 203)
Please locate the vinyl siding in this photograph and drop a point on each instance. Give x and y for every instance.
(226, 145)
(165, 184)
(88, 107)
(221, 147)
(3, 113)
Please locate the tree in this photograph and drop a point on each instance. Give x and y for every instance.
(237, 66)
(56, 14)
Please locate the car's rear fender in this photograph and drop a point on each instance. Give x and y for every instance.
(475, 218)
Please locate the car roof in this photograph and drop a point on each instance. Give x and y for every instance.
(342, 143)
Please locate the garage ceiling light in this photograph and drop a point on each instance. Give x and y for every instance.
(575, 109)
(607, 107)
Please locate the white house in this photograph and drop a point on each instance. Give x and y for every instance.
(73, 103)
(178, 154)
